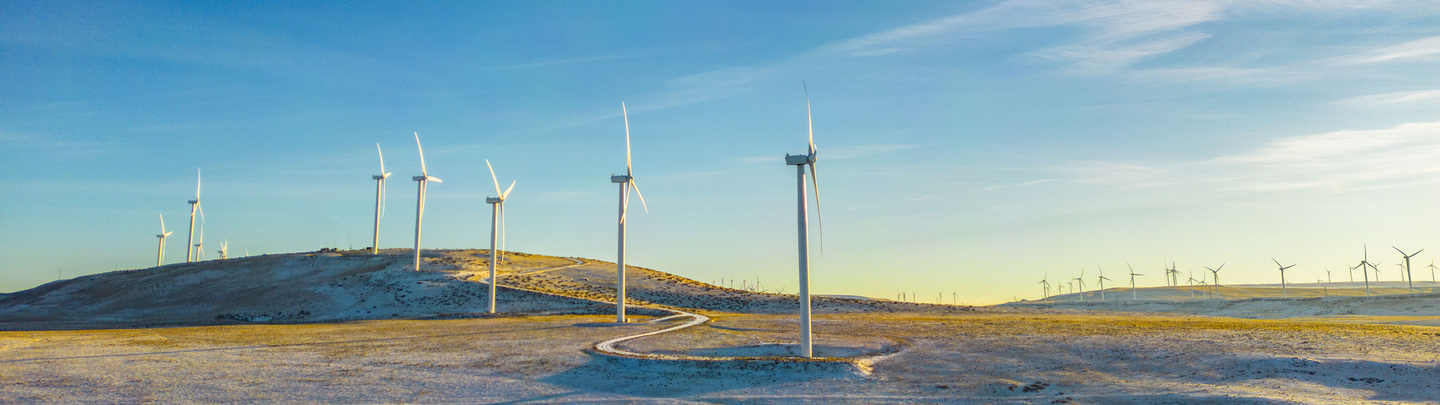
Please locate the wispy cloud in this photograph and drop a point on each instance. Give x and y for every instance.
(1409, 50)
(1385, 99)
(1028, 183)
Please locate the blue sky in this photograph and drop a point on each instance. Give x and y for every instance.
(965, 146)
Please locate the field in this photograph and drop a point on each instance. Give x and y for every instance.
(426, 339)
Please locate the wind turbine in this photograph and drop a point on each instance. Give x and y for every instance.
(627, 182)
(1102, 282)
(380, 198)
(160, 255)
(1407, 266)
(1216, 284)
(803, 223)
(194, 206)
(497, 206)
(1282, 277)
(1352, 271)
(1191, 282)
(200, 244)
(421, 182)
(1327, 275)
(1432, 270)
(225, 249)
(1132, 281)
(1045, 285)
(1081, 280)
(1364, 261)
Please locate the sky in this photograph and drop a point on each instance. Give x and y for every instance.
(971, 148)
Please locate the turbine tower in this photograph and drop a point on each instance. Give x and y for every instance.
(194, 206)
(200, 244)
(1133, 296)
(160, 255)
(1283, 293)
(627, 183)
(497, 206)
(421, 182)
(1407, 266)
(1432, 270)
(1081, 280)
(379, 199)
(803, 223)
(1216, 284)
(224, 249)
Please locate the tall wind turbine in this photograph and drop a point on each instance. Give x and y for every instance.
(1132, 281)
(225, 249)
(627, 183)
(803, 223)
(1102, 282)
(194, 206)
(1327, 276)
(160, 255)
(380, 198)
(421, 182)
(1081, 280)
(1191, 282)
(497, 208)
(1283, 293)
(1407, 266)
(1352, 271)
(1365, 262)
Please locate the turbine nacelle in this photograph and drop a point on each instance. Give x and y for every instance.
(427, 178)
(621, 178)
(799, 159)
(380, 176)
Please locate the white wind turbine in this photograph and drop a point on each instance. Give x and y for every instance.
(421, 182)
(200, 244)
(1283, 293)
(497, 208)
(225, 249)
(380, 198)
(1045, 286)
(1102, 282)
(1081, 279)
(627, 183)
(803, 223)
(1407, 266)
(1216, 285)
(1133, 296)
(1191, 282)
(194, 206)
(1432, 270)
(160, 255)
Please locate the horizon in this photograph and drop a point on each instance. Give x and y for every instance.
(967, 147)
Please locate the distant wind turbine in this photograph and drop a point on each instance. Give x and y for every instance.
(224, 249)
(1407, 266)
(1191, 282)
(1364, 262)
(421, 184)
(1081, 280)
(1132, 281)
(497, 206)
(1327, 275)
(1102, 282)
(1216, 284)
(200, 244)
(803, 223)
(160, 255)
(380, 198)
(1432, 270)
(1045, 286)
(627, 182)
(1282, 277)
(1352, 271)
(194, 206)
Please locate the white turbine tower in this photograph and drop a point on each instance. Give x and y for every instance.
(194, 206)
(421, 181)
(803, 222)
(160, 255)
(626, 182)
(1102, 282)
(200, 242)
(1283, 293)
(225, 250)
(497, 206)
(379, 198)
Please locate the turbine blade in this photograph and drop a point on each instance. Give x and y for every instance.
(382, 158)
(197, 184)
(626, 114)
(809, 123)
(502, 226)
(162, 223)
(819, 215)
(1402, 252)
(506, 194)
(434, 179)
(493, 180)
(637, 192)
(382, 198)
(422, 155)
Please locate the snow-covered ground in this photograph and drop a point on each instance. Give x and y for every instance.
(542, 349)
